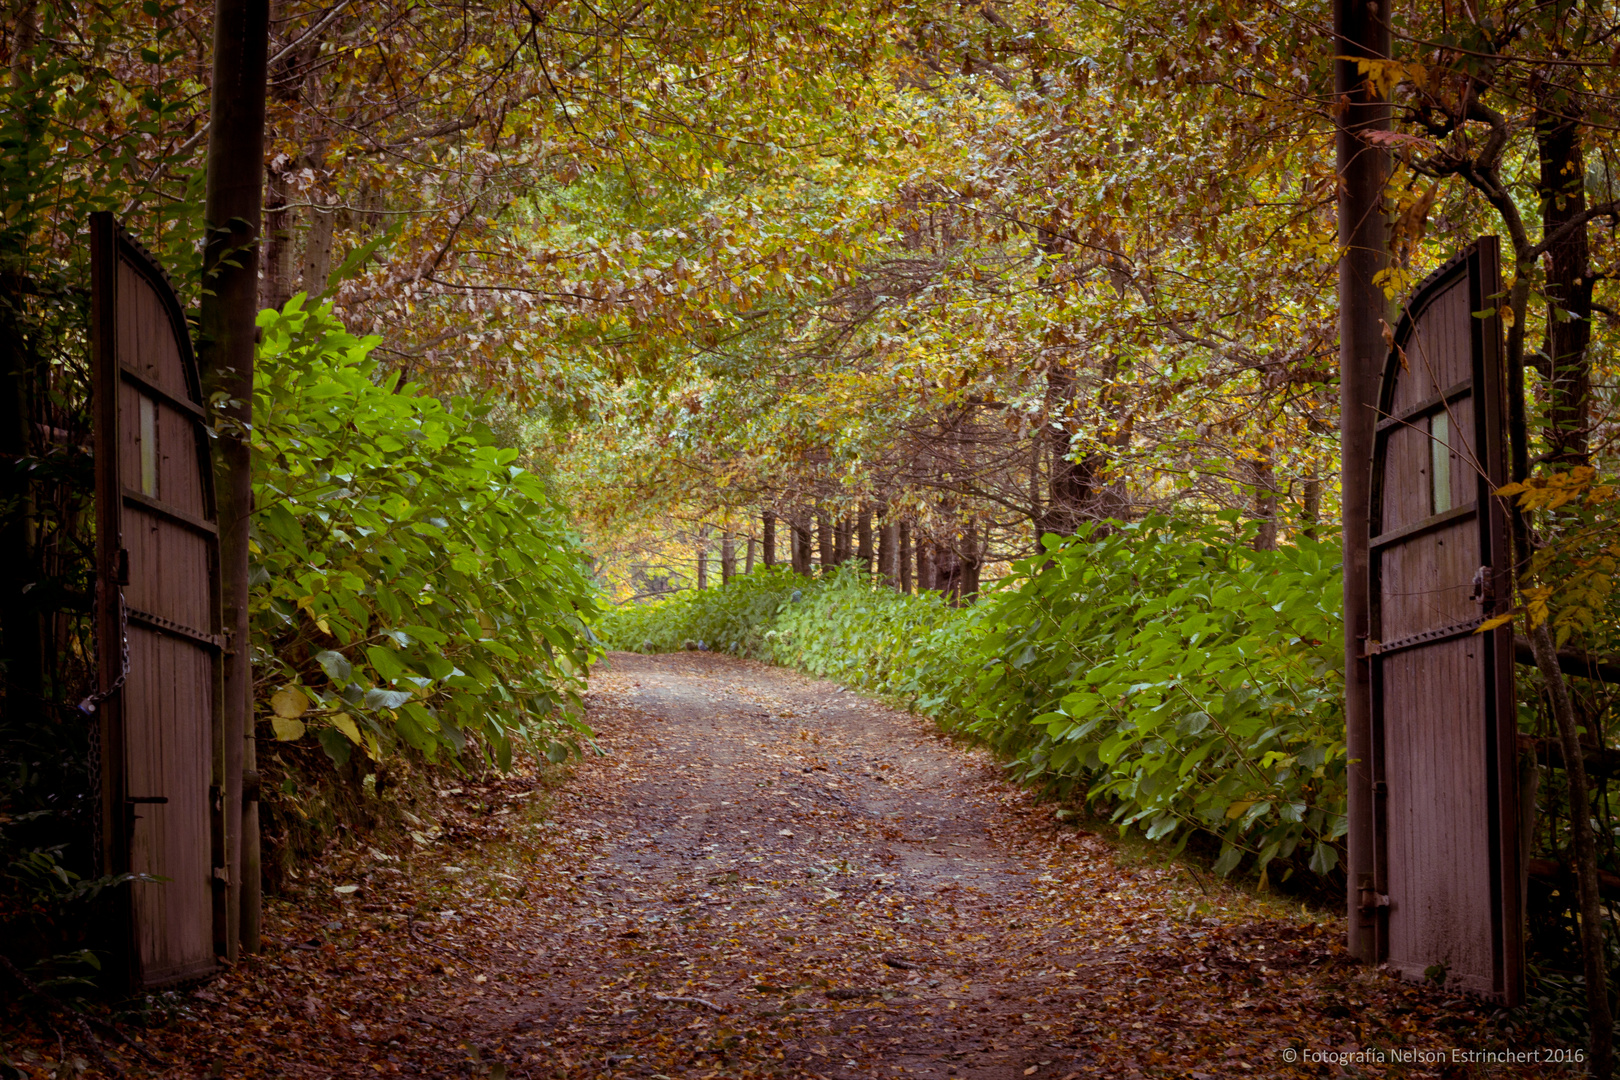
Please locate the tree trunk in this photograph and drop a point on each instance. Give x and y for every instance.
(1265, 502)
(728, 558)
(824, 539)
(225, 342)
(972, 562)
(317, 265)
(903, 555)
(801, 544)
(926, 565)
(768, 538)
(888, 551)
(1562, 189)
(841, 541)
(702, 548)
(1311, 511)
(1363, 238)
(863, 538)
(276, 283)
(1067, 487)
(748, 564)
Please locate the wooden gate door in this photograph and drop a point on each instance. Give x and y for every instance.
(1446, 888)
(158, 617)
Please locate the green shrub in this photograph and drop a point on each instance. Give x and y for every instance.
(411, 585)
(1181, 677)
(1164, 670)
(733, 619)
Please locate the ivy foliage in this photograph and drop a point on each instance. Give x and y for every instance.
(411, 583)
(1164, 670)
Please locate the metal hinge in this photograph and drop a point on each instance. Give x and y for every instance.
(222, 875)
(1371, 898)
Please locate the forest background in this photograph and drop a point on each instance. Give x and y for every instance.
(560, 299)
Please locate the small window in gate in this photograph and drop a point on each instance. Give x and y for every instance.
(149, 447)
(1439, 464)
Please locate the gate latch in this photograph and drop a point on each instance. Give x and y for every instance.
(1484, 589)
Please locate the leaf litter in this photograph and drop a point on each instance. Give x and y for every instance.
(766, 876)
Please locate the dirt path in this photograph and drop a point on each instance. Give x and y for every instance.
(769, 877)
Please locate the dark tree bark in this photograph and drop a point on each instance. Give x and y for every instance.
(728, 558)
(701, 546)
(1264, 476)
(1311, 510)
(1068, 488)
(1363, 237)
(748, 564)
(888, 552)
(768, 538)
(1562, 190)
(903, 555)
(863, 538)
(317, 263)
(824, 540)
(926, 573)
(801, 544)
(225, 353)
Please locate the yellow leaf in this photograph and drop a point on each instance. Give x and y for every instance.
(346, 725)
(287, 730)
(289, 703)
(1238, 809)
(1492, 624)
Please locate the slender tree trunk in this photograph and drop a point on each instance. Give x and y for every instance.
(225, 352)
(702, 549)
(276, 283)
(1265, 502)
(903, 555)
(748, 567)
(1359, 31)
(1067, 487)
(1562, 188)
(317, 264)
(863, 538)
(927, 566)
(1311, 510)
(801, 544)
(888, 551)
(972, 562)
(728, 558)
(768, 537)
(25, 37)
(824, 538)
(841, 541)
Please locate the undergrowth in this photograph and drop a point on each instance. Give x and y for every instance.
(1164, 672)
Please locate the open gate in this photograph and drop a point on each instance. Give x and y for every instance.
(159, 646)
(1445, 892)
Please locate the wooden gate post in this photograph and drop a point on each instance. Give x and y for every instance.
(1360, 30)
